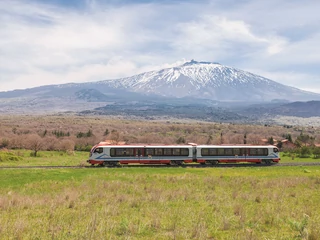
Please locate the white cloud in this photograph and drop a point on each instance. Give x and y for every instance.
(44, 44)
(307, 82)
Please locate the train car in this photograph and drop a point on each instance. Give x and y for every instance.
(214, 154)
(108, 155)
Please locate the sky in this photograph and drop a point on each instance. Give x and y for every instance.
(45, 42)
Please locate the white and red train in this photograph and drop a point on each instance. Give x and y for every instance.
(109, 155)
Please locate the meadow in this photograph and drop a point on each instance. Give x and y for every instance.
(79, 158)
(263, 202)
(166, 203)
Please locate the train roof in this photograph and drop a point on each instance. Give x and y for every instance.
(144, 146)
(236, 146)
(184, 146)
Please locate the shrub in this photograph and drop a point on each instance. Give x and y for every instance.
(305, 152)
(4, 143)
(316, 152)
(8, 156)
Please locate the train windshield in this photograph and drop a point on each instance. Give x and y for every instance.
(98, 150)
(275, 150)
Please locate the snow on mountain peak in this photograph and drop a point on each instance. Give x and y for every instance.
(208, 80)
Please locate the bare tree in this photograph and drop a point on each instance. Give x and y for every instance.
(115, 136)
(66, 145)
(35, 143)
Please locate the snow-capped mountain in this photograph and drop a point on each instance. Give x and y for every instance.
(190, 84)
(209, 80)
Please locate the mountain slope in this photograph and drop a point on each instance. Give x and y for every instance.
(205, 83)
(208, 80)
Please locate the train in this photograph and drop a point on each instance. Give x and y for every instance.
(114, 155)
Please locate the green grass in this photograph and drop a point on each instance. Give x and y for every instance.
(285, 158)
(47, 158)
(55, 158)
(153, 203)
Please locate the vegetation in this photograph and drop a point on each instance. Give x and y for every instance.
(152, 203)
(16, 158)
(83, 132)
(6, 156)
(148, 203)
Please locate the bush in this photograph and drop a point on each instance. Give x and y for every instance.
(316, 152)
(84, 148)
(305, 152)
(9, 156)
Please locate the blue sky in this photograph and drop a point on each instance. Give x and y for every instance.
(60, 41)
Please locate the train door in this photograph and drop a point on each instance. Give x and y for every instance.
(139, 153)
(245, 153)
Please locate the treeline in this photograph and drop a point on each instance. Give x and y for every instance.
(70, 133)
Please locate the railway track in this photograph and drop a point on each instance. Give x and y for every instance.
(238, 165)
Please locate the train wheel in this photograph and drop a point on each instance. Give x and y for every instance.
(267, 162)
(215, 162)
(115, 164)
(105, 164)
(179, 163)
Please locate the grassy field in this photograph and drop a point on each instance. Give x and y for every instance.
(55, 158)
(47, 158)
(170, 203)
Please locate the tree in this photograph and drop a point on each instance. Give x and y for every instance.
(115, 136)
(305, 139)
(210, 138)
(4, 143)
(245, 138)
(279, 144)
(270, 140)
(316, 152)
(66, 145)
(289, 137)
(35, 143)
(106, 132)
(89, 133)
(305, 151)
(181, 140)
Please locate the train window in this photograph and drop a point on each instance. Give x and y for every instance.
(128, 151)
(228, 152)
(176, 151)
(221, 151)
(98, 150)
(262, 151)
(167, 151)
(205, 151)
(244, 151)
(236, 151)
(253, 151)
(149, 151)
(119, 151)
(158, 151)
(275, 150)
(184, 152)
(209, 152)
(112, 152)
(213, 152)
